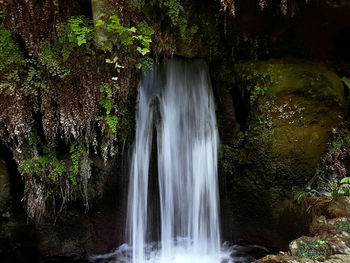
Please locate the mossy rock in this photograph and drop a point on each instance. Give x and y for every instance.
(301, 77)
(294, 113)
(294, 105)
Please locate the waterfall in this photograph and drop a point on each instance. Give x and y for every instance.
(176, 101)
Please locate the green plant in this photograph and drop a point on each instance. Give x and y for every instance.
(175, 12)
(346, 81)
(76, 150)
(335, 190)
(46, 164)
(107, 97)
(50, 59)
(317, 249)
(11, 59)
(112, 122)
(81, 30)
(106, 103)
(257, 84)
(10, 54)
(130, 39)
(2, 14)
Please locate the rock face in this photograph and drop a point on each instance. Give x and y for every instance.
(293, 106)
(4, 187)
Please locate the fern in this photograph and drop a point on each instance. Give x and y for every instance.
(76, 150)
(112, 122)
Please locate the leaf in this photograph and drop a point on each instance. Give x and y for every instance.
(346, 81)
(100, 22)
(143, 51)
(345, 180)
(109, 61)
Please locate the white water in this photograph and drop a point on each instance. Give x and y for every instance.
(177, 100)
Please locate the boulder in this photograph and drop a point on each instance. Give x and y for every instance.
(292, 106)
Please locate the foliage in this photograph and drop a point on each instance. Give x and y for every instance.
(34, 79)
(257, 84)
(81, 30)
(334, 191)
(72, 37)
(47, 162)
(2, 14)
(106, 103)
(9, 51)
(76, 150)
(11, 59)
(129, 39)
(112, 122)
(51, 60)
(107, 98)
(175, 12)
(317, 249)
(346, 81)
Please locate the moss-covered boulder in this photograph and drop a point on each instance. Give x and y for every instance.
(293, 107)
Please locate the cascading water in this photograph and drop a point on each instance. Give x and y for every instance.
(176, 106)
(180, 96)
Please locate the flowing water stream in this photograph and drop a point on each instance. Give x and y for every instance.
(175, 121)
(177, 100)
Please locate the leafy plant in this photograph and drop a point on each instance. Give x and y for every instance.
(76, 150)
(48, 161)
(106, 102)
(50, 59)
(112, 122)
(81, 30)
(346, 81)
(175, 12)
(130, 39)
(11, 59)
(34, 80)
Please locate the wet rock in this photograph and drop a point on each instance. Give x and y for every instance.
(4, 187)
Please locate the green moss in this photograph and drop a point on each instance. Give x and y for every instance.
(298, 77)
(317, 250)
